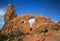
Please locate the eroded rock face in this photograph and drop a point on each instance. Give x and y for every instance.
(10, 13)
(43, 29)
(21, 23)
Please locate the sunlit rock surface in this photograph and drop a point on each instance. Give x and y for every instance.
(18, 28)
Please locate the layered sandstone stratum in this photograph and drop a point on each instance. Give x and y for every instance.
(17, 28)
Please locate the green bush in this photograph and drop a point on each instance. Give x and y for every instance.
(11, 36)
(3, 37)
(41, 31)
(27, 33)
(20, 40)
(56, 28)
(16, 34)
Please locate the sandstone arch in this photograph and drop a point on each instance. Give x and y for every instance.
(31, 21)
(20, 23)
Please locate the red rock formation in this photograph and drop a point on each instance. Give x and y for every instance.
(43, 29)
(10, 13)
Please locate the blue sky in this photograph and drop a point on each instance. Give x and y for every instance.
(31, 21)
(48, 8)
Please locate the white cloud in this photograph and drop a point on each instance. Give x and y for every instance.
(1, 21)
(31, 21)
(2, 11)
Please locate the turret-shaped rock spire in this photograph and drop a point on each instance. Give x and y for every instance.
(10, 13)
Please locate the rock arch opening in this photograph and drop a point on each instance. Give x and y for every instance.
(31, 21)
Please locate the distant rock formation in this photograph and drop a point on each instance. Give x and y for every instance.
(10, 13)
(17, 28)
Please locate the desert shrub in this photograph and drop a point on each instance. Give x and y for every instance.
(27, 33)
(41, 31)
(11, 36)
(16, 34)
(3, 37)
(20, 40)
(20, 33)
(56, 28)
